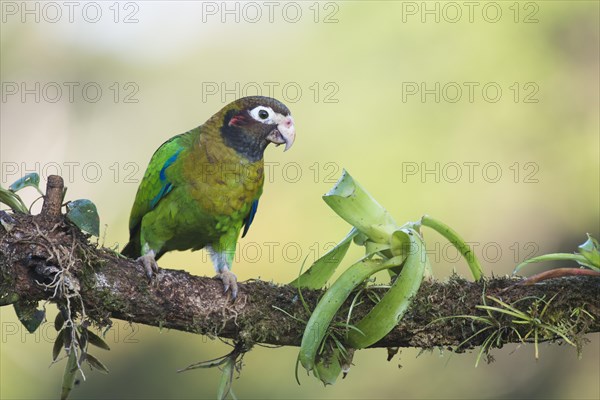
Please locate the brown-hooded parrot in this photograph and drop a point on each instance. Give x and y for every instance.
(202, 187)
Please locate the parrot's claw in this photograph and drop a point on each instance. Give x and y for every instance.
(229, 282)
(149, 263)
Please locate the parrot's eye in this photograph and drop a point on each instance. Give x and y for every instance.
(262, 114)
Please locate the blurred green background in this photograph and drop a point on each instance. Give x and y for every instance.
(484, 115)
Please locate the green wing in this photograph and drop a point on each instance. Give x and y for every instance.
(155, 185)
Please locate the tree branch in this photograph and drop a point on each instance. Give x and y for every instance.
(34, 249)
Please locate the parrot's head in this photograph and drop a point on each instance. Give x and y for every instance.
(249, 124)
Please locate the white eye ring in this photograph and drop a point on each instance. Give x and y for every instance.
(262, 114)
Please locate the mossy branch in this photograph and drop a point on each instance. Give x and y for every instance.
(33, 249)
(115, 287)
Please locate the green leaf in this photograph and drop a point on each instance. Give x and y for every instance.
(351, 202)
(95, 363)
(555, 257)
(400, 243)
(321, 270)
(328, 368)
(82, 339)
(29, 315)
(332, 300)
(226, 379)
(97, 340)
(591, 251)
(32, 179)
(374, 248)
(453, 237)
(13, 201)
(58, 344)
(387, 313)
(59, 321)
(84, 214)
(68, 337)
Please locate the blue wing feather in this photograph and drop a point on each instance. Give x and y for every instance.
(166, 185)
(250, 217)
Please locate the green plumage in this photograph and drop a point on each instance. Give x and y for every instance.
(202, 201)
(201, 187)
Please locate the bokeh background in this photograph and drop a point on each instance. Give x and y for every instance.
(482, 114)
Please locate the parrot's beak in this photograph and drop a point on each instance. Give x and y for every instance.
(284, 133)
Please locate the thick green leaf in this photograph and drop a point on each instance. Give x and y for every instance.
(590, 249)
(13, 201)
(351, 202)
(321, 270)
(332, 300)
(374, 248)
(32, 179)
(84, 214)
(453, 237)
(387, 313)
(400, 243)
(399, 246)
(328, 368)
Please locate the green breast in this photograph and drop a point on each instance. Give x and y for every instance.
(223, 184)
(215, 194)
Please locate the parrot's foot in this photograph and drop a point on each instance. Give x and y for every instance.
(229, 281)
(149, 263)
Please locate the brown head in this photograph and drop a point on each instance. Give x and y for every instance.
(249, 124)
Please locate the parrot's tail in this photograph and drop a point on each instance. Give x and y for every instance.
(132, 249)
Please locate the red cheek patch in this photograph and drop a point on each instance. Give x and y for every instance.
(238, 120)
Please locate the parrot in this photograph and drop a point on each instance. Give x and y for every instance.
(202, 187)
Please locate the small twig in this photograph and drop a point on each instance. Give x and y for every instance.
(557, 273)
